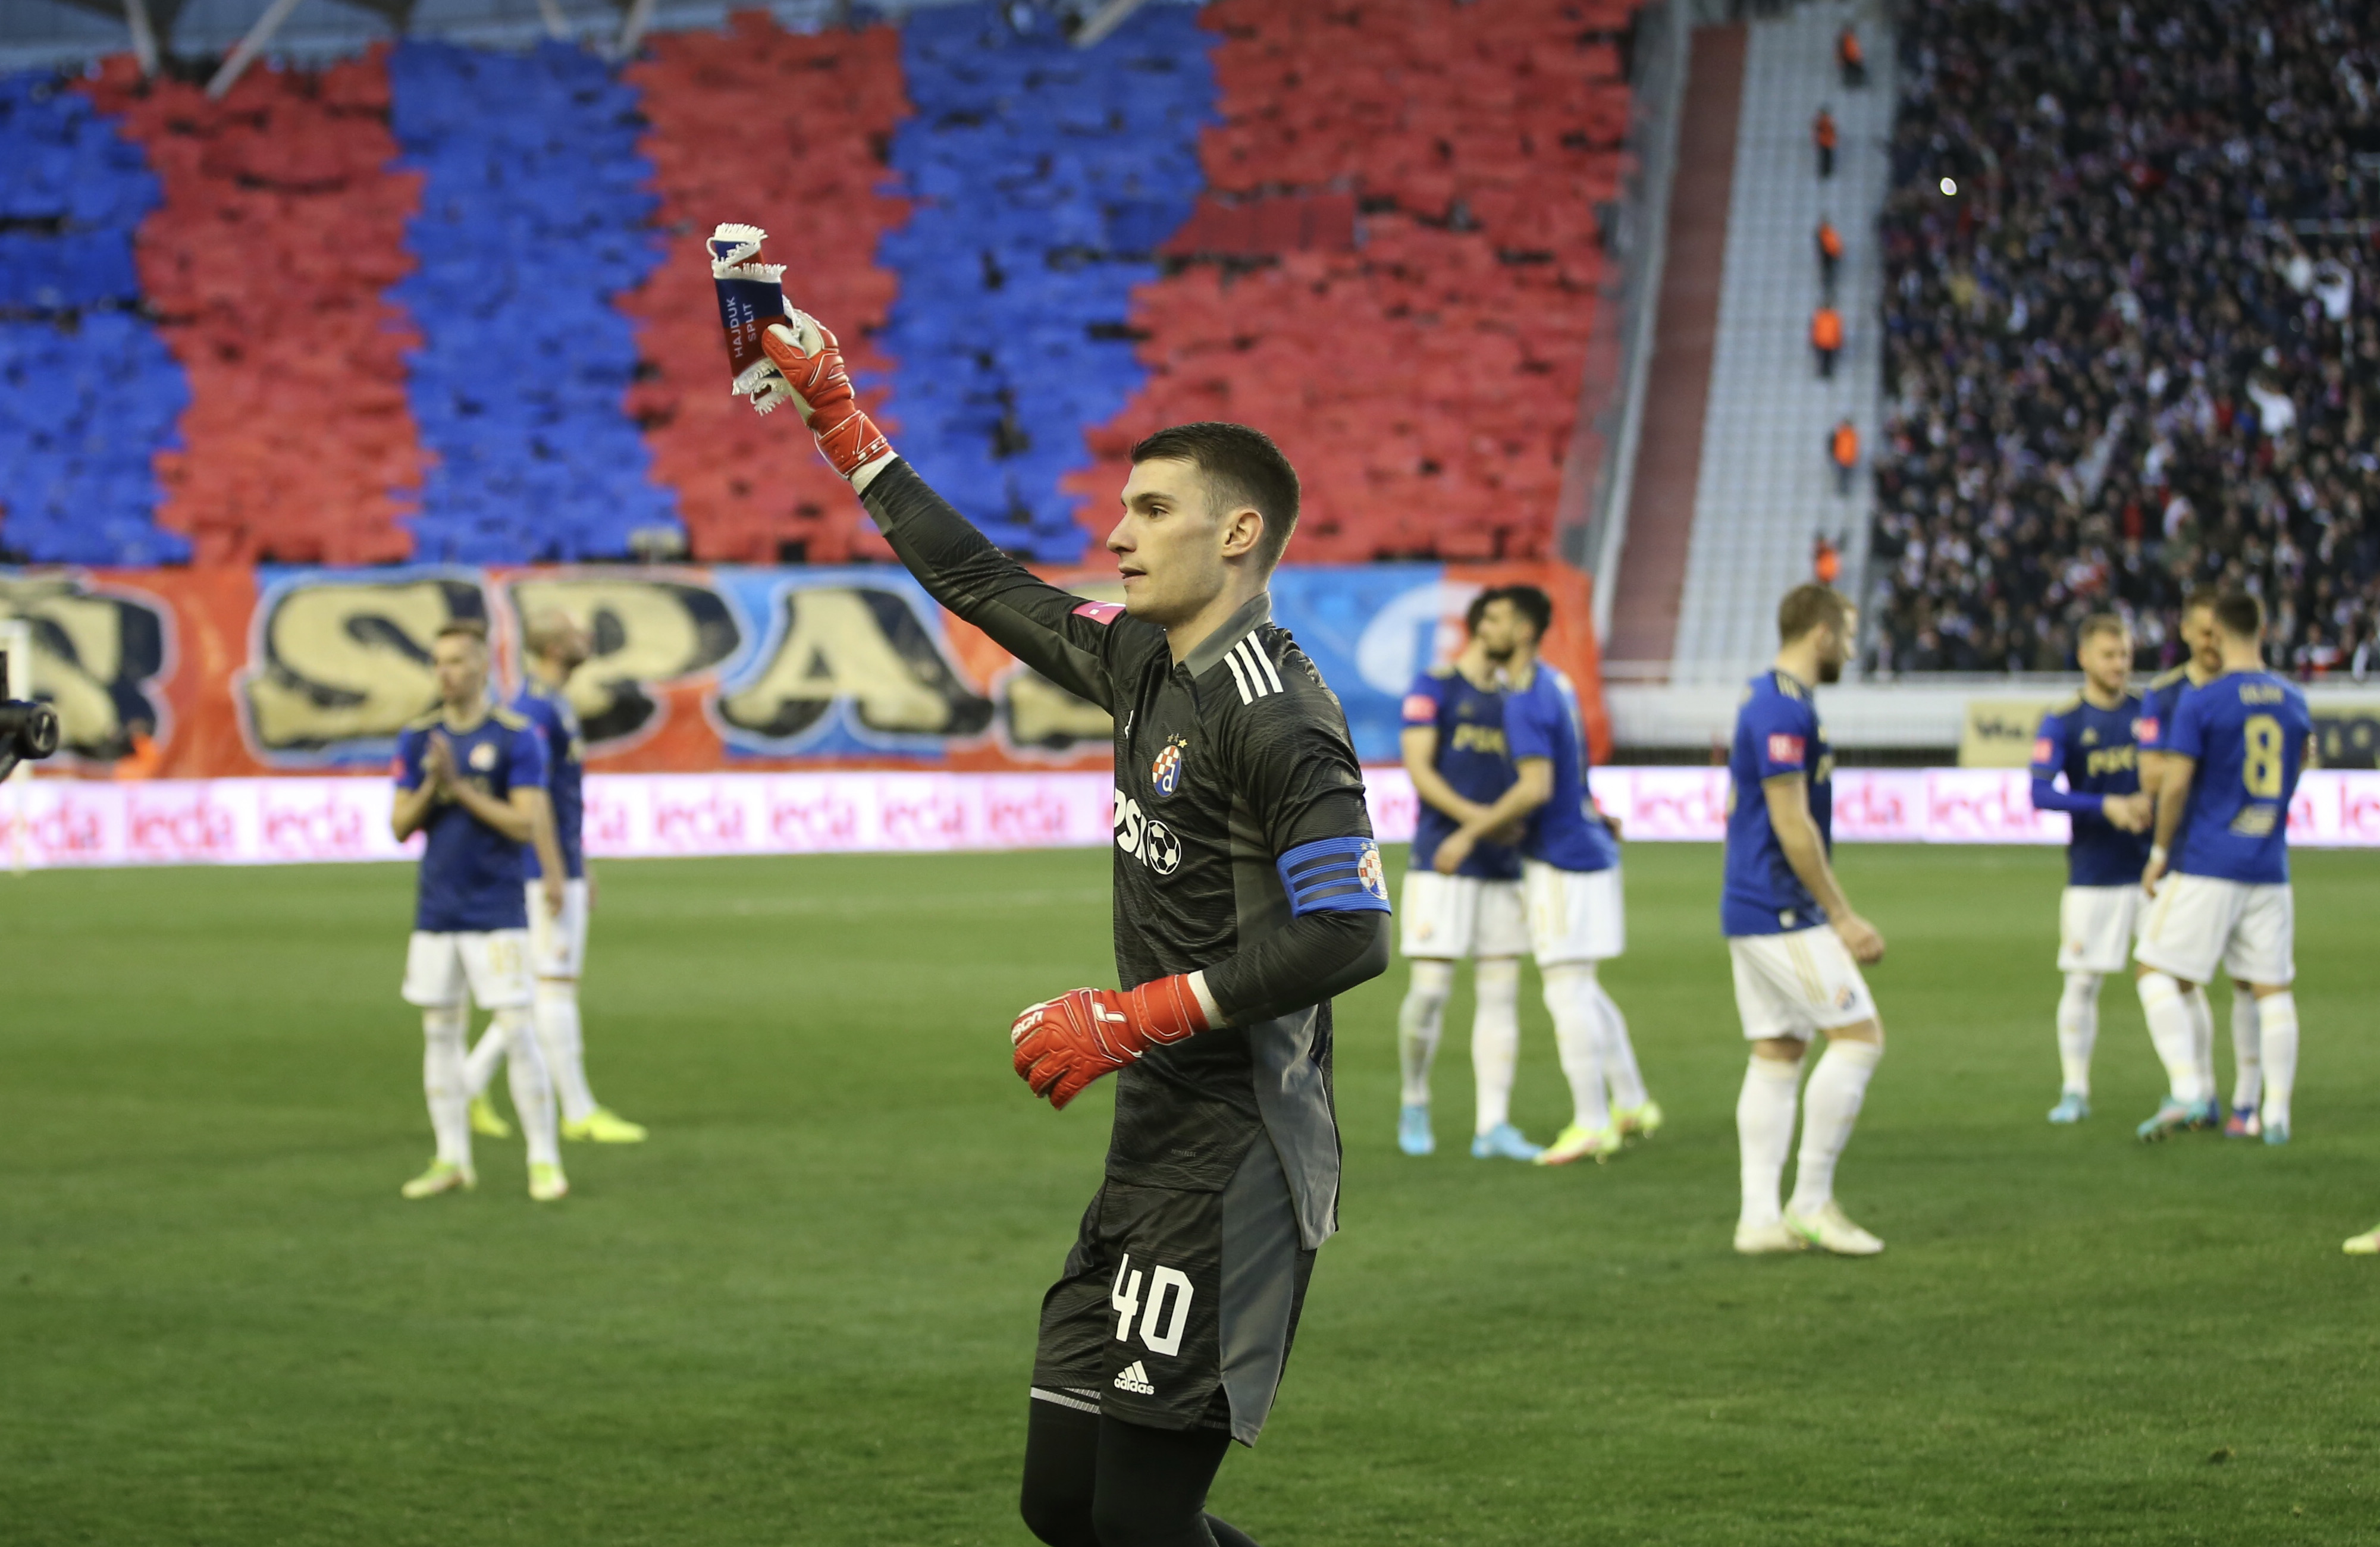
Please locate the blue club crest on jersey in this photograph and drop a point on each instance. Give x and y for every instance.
(1166, 772)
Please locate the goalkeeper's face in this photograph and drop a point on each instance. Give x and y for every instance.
(1175, 548)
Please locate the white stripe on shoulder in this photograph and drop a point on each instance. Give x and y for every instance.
(1252, 660)
(1264, 659)
(1239, 677)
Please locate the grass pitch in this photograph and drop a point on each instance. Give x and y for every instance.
(804, 1312)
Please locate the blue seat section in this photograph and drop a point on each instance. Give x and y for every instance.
(1043, 177)
(89, 394)
(533, 217)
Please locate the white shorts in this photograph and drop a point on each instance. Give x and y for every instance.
(493, 966)
(1446, 918)
(2096, 926)
(557, 947)
(1575, 916)
(2200, 925)
(1797, 984)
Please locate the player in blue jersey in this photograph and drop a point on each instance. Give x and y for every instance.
(471, 776)
(1795, 943)
(2090, 742)
(2189, 1066)
(1570, 880)
(1454, 747)
(2232, 757)
(552, 648)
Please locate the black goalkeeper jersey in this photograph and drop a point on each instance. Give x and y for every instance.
(1243, 848)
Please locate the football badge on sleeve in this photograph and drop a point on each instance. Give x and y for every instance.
(1165, 774)
(1371, 872)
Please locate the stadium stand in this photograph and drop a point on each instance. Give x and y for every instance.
(442, 302)
(1426, 381)
(265, 265)
(2137, 351)
(534, 215)
(88, 393)
(720, 108)
(1044, 177)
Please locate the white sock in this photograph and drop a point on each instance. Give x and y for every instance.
(2173, 1031)
(1764, 1134)
(532, 1089)
(2078, 1030)
(1578, 1033)
(1837, 1087)
(2201, 1040)
(1620, 1070)
(1495, 1019)
(1419, 1022)
(442, 1082)
(2277, 1014)
(566, 1057)
(2247, 1050)
(481, 1067)
(1495, 1040)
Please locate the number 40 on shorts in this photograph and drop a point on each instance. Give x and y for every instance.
(1168, 1288)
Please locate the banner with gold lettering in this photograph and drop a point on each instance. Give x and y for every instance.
(220, 673)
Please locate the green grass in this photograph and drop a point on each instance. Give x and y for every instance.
(804, 1312)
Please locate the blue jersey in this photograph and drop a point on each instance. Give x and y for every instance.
(2247, 732)
(2097, 751)
(565, 757)
(471, 875)
(2164, 694)
(1542, 720)
(1777, 733)
(1471, 757)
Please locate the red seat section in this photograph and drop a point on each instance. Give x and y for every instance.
(282, 227)
(1423, 370)
(785, 132)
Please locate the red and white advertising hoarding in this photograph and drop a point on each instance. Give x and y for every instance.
(46, 823)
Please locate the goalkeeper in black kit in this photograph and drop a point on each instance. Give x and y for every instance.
(1249, 890)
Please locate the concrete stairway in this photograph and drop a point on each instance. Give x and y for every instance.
(1765, 486)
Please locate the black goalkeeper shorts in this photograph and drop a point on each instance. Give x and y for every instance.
(1176, 1309)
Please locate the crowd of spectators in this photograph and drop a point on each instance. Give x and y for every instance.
(2131, 339)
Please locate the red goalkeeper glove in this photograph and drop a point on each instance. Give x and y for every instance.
(1064, 1044)
(847, 437)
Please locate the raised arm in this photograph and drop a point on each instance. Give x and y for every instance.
(1053, 630)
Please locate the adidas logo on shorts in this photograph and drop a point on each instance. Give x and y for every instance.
(1134, 1379)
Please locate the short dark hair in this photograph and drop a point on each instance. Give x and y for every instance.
(1530, 603)
(1242, 466)
(1478, 608)
(465, 628)
(2203, 596)
(2098, 623)
(2239, 614)
(1805, 606)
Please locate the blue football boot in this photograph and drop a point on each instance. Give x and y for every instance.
(2171, 1118)
(2072, 1107)
(1503, 1142)
(1414, 1136)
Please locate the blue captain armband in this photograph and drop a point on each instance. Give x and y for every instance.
(1335, 876)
